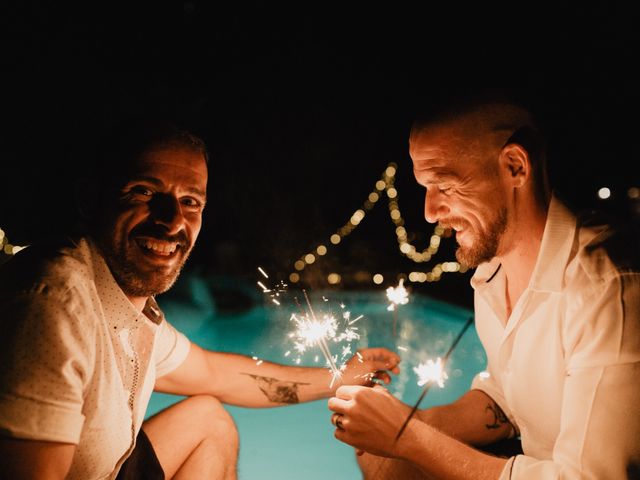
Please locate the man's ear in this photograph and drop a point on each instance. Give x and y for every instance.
(515, 163)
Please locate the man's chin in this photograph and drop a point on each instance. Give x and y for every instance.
(138, 287)
(141, 280)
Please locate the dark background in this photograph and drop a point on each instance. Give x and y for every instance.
(303, 106)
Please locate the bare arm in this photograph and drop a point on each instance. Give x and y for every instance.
(372, 417)
(37, 460)
(474, 419)
(239, 380)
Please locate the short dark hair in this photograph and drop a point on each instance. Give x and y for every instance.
(524, 120)
(127, 140)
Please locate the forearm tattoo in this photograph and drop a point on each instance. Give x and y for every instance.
(277, 391)
(499, 418)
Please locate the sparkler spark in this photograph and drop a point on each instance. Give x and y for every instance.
(431, 371)
(313, 330)
(274, 292)
(397, 296)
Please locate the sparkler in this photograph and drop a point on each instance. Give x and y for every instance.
(433, 373)
(314, 331)
(397, 296)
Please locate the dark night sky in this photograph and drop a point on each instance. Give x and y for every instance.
(302, 108)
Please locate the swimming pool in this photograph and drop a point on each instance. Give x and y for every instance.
(295, 442)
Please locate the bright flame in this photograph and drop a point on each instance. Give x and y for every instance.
(319, 330)
(431, 372)
(397, 295)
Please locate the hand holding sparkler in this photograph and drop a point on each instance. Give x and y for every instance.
(368, 418)
(368, 365)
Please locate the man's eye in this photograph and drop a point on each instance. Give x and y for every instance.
(141, 191)
(445, 190)
(191, 202)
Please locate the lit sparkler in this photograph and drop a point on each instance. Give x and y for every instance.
(397, 296)
(431, 371)
(433, 374)
(312, 330)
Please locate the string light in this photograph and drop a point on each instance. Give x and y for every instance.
(386, 185)
(6, 247)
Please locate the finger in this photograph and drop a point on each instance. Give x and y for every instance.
(382, 375)
(336, 420)
(381, 354)
(337, 405)
(377, 386)
(346, 392)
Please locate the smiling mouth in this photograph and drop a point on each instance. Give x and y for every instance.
(158, 248)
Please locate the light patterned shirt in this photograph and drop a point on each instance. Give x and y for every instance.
(565, 365)
(78, 362)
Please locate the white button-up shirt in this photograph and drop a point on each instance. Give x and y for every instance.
(78, 362)
(565, 365)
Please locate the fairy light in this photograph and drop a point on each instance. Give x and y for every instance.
(8, 248)
(386, 185)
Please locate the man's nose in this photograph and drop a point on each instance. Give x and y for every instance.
(166, 210)
(434, 206)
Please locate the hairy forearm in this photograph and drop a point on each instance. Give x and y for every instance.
(240, 380)
(474, 419)
(254, 383)
(450, 460)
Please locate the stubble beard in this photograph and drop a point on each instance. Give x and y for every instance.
(135, 281)
(486, 246)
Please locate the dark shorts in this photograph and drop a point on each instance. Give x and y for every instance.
(142, 464)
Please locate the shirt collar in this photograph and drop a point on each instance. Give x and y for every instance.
(555, 250)
(119, 306)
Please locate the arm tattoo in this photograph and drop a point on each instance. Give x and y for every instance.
(277, 391)
(499, 418)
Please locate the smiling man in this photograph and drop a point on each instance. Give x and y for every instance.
(83, 342)
(557, 308)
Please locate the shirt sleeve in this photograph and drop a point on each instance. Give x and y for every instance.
(600, 422)
(171, 350)
(46, 362)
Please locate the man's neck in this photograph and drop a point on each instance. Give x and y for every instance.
(520, 259)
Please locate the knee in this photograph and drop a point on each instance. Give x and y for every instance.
(212, 418)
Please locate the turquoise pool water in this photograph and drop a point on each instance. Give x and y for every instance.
(296, 442)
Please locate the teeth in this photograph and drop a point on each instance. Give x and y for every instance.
(163, 248)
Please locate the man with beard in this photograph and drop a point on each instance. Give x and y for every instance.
(557, 306)
(84, 342)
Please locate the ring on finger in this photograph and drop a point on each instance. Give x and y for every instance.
(336, 419)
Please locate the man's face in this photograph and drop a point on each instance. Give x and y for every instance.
(464, 191)
(152, 219)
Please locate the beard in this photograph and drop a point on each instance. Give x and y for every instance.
(134, 276)
(485, 246)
